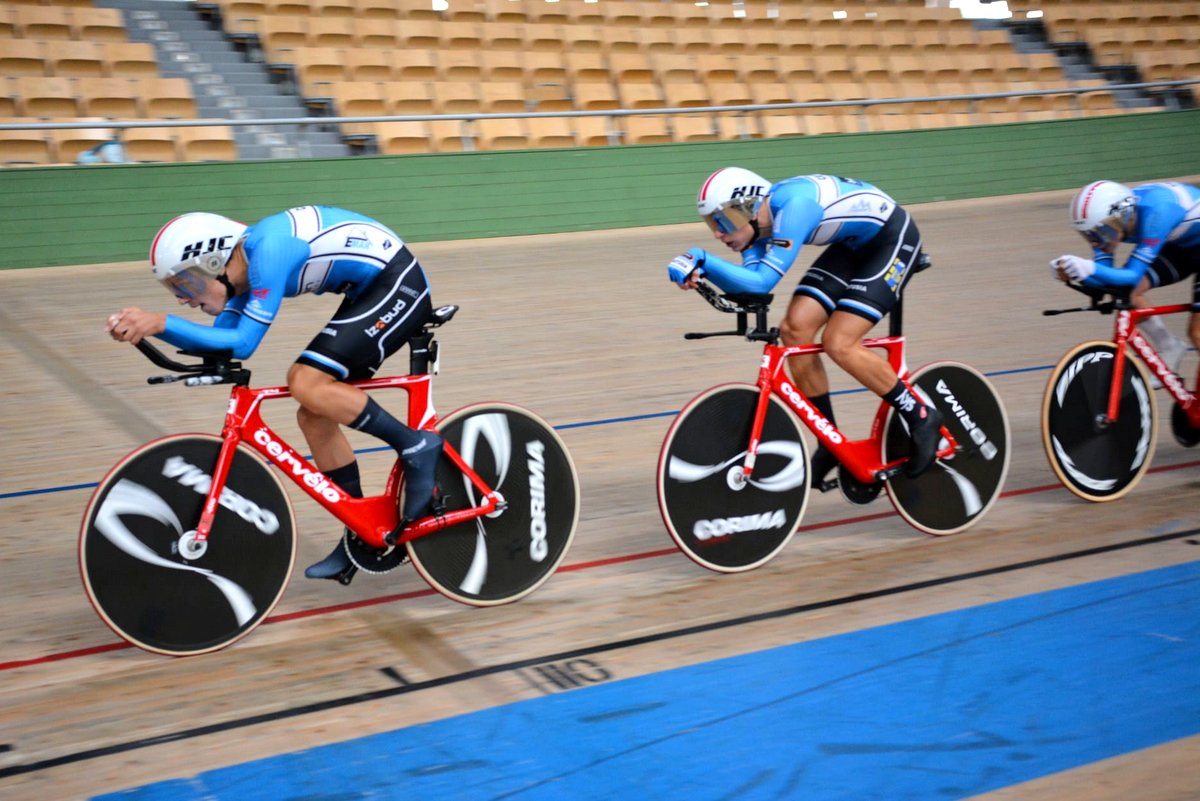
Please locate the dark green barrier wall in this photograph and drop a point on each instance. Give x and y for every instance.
(76, 215)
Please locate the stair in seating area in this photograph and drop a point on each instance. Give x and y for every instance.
(226, 85)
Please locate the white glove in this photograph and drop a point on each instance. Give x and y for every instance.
(1073, 267)
(682, 266)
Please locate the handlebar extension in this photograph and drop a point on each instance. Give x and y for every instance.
(1120, 300)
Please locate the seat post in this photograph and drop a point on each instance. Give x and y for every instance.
(896, 319)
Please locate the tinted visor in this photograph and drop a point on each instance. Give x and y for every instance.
(1103, 236)
(732, 215)
(187, 285)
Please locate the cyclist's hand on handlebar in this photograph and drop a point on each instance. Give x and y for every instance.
(133, 325)
(1072, 268)
(686, 269)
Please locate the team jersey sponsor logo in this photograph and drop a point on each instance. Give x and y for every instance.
(400, 305)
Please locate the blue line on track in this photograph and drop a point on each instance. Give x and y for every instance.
(943, 707)
(563, 427)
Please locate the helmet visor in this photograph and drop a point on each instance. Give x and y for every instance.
(732, 215)
(187, 285)
(1103, 236)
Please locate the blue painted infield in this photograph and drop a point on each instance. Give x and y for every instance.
(943, 707)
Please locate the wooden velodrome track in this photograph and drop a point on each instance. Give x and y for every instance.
(585, 330)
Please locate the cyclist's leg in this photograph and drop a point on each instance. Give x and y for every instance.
(1170, 267)
(814, 300)
(884, 267)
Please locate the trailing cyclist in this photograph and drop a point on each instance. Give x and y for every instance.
(1162, 220)
(241, 274)
(873, 249)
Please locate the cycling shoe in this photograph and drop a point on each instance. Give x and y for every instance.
(926, 435)
(420, 475)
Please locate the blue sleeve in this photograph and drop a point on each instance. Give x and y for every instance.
(766, 261)
(242, 339)
(1158, 214)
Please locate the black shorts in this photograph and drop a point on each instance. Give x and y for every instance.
(1175, 264)
(376, 323)
(866, 281)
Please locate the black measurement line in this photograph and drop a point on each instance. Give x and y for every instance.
(506, 667)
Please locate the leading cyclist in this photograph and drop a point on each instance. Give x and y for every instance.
(240, 275)
(873, 250)
(1162, 220)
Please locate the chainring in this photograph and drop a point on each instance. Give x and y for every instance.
(370, 559)
(855, 491)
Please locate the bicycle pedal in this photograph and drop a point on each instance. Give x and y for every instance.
(827, 485)
(346, 576)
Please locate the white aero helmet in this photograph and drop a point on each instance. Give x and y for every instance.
(1101, 211)
(730, 198)
(193, 248)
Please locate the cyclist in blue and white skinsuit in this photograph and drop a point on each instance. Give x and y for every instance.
(241, 274)
(1162, 221)
(872, 249)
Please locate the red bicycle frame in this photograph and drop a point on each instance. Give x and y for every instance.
(860, 457)
(1126, 332)
(374, 518)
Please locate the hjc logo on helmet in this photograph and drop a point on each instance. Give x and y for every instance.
(746, 191)
(199, 248)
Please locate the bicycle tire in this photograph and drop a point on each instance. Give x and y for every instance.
(719, 524)
(954, 493)
(138, 571)
(1098, 465)
(502, 558)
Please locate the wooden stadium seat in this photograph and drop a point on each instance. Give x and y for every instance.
(460, 36)
(631, 68)
(829, 122)
(583, 39)
(646, 129)
(22, 57)
(68, 143)
(413, 65)
(655, 40)
(449, 136)
(640, 95)
(73, 59)
(8, 23)
(730, 94)
(455, 97)
(317, 67)
(167, 98)
(45, 97)
(684, 95)
(619, 39)
(689, 16)
(544, 67)
(775, 92)
(332, 32)
(550, 132)
(802, 69)
(898, 117)
(459, 65)
(98, 24)
(207, 143)
(408, 97)
(43, 22)
(376, 9)
(782, 123)
(586, 66)
(150, 144)
(113, 98)
(502, 36)
(501, 133)
(595, 131)
(26, 147)
(675, 68)
(502, 65)
(737, 125)
(543, 36)
(129, 59)
(299, 8)
(417, 10)
(497, 97)
(282, 32)
(326, 9)
(417, 34)
(398, 137)
(372, 32)
(595, 95)
(359, 99)
(693, 128)
(507, 11)
(367, 63)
